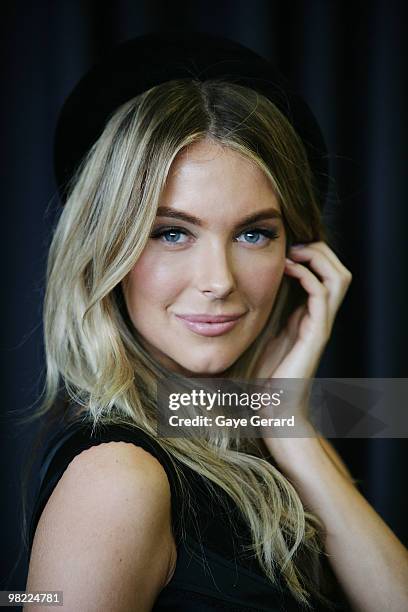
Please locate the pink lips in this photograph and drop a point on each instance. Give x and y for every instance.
(207, 325)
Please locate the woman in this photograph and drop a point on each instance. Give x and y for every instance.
(193, 195)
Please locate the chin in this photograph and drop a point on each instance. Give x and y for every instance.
(209, 369)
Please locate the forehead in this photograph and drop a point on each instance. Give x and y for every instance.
(209, 179)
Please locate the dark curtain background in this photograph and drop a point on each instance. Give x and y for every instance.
(349, 62)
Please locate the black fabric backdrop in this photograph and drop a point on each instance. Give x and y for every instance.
(349, 62)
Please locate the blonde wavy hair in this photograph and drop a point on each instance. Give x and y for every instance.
(91, 346)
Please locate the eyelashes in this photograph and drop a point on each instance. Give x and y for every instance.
(160, 232)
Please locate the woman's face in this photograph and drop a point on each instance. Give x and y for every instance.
(205, 258)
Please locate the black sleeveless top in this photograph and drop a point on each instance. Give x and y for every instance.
(212, 571)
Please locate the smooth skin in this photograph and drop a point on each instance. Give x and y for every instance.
(96, 540)
(104, 537)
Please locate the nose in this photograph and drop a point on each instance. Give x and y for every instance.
(215, 275)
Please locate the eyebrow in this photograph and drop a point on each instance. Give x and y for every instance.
(268, 213)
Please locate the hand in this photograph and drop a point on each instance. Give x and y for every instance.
(297, 350)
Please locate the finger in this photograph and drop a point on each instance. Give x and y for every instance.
(333, 257)
(318, 293)
(319, 261)
(324, 248)
(334, 279)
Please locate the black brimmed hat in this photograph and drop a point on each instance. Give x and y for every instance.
(141, 63)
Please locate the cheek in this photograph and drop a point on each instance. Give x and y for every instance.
(153, 280)
(263, 286)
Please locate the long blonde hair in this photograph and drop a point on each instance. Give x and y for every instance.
(90, 344)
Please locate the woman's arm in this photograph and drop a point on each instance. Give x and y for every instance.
(335, 457)
(367, 558)
(104, 537)
(369, 561)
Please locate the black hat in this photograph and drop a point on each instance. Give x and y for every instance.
(141, 63)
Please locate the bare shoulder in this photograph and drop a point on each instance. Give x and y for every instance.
(104, 537)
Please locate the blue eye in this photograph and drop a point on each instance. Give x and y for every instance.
(164, 232)
(168, 232)
(266, 233)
